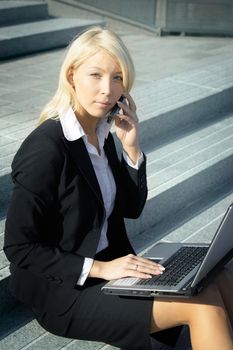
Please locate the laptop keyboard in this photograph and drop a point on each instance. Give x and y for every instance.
(178, 266)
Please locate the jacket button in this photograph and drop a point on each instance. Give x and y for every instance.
(58, 280)
(142, 183)
(143, 178)
(49, 277)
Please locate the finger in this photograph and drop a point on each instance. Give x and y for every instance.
(127, 118)
(137, 259)
(145, 269)
(138, 274)
(156, 270)
(124, 107)
(142, 275)
(144, 260)
(128, 109)
(148, 264)
(130, 100)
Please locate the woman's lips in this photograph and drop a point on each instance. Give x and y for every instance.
(103, 104)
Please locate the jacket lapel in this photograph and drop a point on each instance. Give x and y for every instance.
(82, 160)
(112, 158)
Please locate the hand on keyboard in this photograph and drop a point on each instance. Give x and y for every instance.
(126, 266)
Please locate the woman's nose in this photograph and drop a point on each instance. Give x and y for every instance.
(106, 86)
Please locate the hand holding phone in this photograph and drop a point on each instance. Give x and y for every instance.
(115, 110)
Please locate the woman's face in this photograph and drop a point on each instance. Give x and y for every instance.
(98, 84)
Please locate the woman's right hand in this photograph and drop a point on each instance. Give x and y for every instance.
(126, 266)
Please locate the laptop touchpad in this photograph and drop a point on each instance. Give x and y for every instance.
(162, 251)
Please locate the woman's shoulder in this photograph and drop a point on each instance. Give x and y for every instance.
(47, 135)
(50, 129)
(39, 160)
(42, 145)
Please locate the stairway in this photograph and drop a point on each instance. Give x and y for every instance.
(186, 128)
(26, 27)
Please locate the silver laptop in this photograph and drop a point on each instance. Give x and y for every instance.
(189, 267)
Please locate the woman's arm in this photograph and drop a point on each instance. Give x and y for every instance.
(31, 235)
(26, 246)
(134, 185)
(133, 181)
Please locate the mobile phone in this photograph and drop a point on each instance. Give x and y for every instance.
(115, 110)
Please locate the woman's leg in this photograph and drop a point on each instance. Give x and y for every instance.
(205, 314)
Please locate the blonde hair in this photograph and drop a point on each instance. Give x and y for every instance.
(82, 47)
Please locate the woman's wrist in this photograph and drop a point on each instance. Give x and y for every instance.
(96, 270)
(134, 153)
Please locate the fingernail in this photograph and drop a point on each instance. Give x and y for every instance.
(161, 268)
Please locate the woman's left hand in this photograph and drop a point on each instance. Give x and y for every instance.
(126, 126)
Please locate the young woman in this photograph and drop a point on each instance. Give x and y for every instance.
(65, 234)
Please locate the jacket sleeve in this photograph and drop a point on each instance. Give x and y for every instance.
(36, 170)
(134, 184)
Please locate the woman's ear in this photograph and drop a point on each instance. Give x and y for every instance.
(71, 77)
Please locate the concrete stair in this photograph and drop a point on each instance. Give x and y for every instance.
(15, 12)
(27, 28)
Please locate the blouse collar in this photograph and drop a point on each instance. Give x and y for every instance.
(73, 130)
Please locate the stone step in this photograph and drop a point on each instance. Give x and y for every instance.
(38, 36)
(161, 125)
(5, 192)
(7, 301)
(15, 12)
(172, 160)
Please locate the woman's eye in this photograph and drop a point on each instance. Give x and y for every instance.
(118, 77)
(95, 75)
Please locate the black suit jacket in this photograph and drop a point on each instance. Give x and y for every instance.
(56, 212)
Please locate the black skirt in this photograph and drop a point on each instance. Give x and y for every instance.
(123, 322)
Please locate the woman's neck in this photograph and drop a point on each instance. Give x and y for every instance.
(88, 123)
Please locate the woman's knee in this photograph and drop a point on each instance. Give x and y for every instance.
(171, 313)
(208, 304)
(175, 312)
